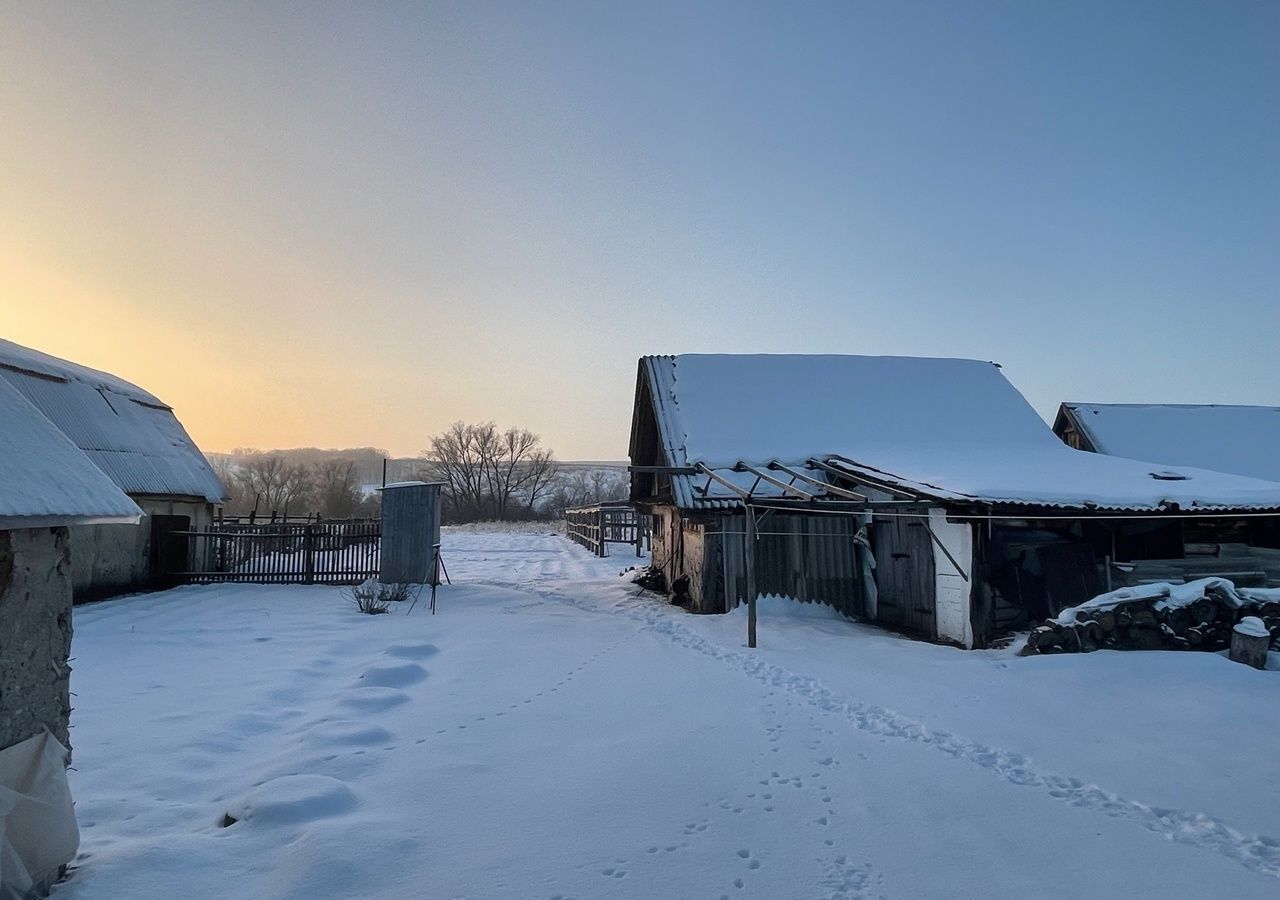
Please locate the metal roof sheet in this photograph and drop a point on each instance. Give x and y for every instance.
(44, 478)
(1242, 440)
(133, 437)
(955, 431)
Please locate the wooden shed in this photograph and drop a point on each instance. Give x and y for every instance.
(924, 494)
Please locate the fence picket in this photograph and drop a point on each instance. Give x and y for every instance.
(336, 551)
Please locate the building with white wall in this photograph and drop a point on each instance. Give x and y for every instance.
(924, 494)
(137, 442)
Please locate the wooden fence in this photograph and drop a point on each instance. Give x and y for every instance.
(596, 527)
(331, 552)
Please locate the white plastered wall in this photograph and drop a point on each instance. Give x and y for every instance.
(953, 587)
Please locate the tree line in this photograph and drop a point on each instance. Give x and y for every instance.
(283, 482)
(489, 474)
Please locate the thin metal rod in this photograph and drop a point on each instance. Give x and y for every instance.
(829, 509)
(776, 482)
(818, 482)
(749, 556)
(710, 473)
(856, 473)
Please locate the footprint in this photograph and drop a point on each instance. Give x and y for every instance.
(412, 651)
(373, 698)
(348, 734)
(394, 676)
(292, 799)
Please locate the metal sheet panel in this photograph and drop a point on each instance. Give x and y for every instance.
(139, 444)
(410, 532)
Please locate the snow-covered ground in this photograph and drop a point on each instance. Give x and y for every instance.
(553, 732)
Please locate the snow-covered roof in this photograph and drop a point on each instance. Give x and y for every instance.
(45, 479)
(128, 433)
(1242, 440)
(949, 429)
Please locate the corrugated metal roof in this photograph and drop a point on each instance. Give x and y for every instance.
(128, 433)
(1242, 440)
(44, 479)
(954, 431)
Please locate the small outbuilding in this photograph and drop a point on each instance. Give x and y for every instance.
(1242, 440)
(924, 494)
(47, 487)
(137, 442)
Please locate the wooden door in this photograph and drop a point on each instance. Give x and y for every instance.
(906, 592)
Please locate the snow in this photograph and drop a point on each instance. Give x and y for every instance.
(44, 478)
(1172, 596)
(26, 359)
(955, 428)
(1242, 440)
(1252, 626)
(133, 437)
(556, 732)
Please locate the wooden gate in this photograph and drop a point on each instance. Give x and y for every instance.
(906, 592)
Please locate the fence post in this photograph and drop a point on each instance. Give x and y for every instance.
(308, 555)
(600, 545)
(635, 517)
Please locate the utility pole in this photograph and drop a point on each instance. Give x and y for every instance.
(749, 554)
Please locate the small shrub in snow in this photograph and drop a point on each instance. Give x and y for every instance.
(373, 598)
(396, 593)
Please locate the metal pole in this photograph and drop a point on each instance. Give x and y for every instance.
(749, 554)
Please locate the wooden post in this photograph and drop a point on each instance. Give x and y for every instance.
(749, 554)
(600, 551)
(635, 515)
(308, 555)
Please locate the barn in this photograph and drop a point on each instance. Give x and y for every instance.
(47, 486)
(134, 439)
(1242, 440)
(924, 494)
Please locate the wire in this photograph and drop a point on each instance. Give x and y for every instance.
(977, 517)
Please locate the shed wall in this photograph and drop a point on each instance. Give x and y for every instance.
(810, 558)
(35, 640)
(115, 559)
(410, 531)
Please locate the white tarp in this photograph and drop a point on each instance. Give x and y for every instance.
(38, 832)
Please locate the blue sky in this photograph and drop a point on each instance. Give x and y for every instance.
(366, 221)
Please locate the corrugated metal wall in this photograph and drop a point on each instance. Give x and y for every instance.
(809, 558)
(410, 531)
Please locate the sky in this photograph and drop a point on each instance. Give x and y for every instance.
(352, 224)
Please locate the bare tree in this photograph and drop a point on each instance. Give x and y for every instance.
(489, 473)
(274, 482)
(337, 488)
(584, 488)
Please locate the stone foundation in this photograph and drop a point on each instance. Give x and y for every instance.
(35, 634)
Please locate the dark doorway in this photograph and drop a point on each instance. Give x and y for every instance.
(169, 549)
